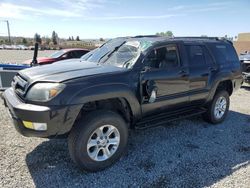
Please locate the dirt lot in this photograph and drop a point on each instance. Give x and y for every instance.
(18, 56)
(186, 153)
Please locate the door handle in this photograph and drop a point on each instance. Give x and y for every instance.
(183, 73)
(212, 69)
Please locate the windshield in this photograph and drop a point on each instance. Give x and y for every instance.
(57, 54)
(125, 56)
(116, 52)
(86, 56)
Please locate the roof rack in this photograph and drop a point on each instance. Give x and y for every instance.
(206, 38)
(199, 38)
(141, 36)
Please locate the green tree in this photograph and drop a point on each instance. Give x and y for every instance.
(24, 41)
(165, 34)
(37, 38)
(102, 39)
(72, 38)
(169, 34)
(77, 38)
(54, 38)
(47, 40)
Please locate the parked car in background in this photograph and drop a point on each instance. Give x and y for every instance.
(245, 62)
(60, 55)
(22, 47)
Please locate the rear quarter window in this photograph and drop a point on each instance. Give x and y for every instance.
(224, 53)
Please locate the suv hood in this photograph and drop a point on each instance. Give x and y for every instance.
(66, 70)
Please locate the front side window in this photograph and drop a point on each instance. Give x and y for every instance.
(57, 54)
(166, 57)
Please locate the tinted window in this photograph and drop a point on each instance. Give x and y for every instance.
(208, 57)
(164, 58)
(195, 55)
(80, 53)
(223, 53)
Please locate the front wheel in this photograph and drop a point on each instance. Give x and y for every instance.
(218, 108)
(98, 140)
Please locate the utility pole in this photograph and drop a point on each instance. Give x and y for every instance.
(8, 27)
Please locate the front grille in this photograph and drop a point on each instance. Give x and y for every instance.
(19, 85)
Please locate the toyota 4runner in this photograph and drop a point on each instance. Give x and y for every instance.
(127, 83)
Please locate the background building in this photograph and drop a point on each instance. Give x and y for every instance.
(243, 43)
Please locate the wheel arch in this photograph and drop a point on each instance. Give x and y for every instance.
(116, 97)
(225, 84)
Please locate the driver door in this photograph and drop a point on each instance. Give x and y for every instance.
(165, 81)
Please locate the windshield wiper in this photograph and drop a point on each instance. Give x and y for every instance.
(110, 53)
(102, 57)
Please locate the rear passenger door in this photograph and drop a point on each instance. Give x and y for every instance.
(201, 68)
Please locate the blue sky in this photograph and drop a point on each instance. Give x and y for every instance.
(113, 18)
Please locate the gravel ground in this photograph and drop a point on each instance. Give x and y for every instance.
(18, 56)
(185, 153)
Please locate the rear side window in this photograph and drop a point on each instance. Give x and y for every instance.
(195, 55)
(223, 53)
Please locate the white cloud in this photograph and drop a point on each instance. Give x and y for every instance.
(201, 8)
(25, 12)
(66, 9)
(133, 17)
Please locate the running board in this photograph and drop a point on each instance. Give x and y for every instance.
(160, 119)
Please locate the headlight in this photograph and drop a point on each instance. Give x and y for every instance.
(44, 91)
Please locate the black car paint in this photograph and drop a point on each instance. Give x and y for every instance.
(86, 82)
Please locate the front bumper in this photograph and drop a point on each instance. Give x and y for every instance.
(59, 119)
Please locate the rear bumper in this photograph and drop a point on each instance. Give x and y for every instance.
(59, 119)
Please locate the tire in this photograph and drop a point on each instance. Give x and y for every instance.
(210, 115)
(86, 132)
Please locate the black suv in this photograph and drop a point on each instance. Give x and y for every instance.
(131, 82)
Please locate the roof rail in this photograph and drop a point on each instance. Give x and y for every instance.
(225, 39)
(141, 36)
(199, 38)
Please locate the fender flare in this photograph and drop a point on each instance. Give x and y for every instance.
(107, 91)
(215, 86)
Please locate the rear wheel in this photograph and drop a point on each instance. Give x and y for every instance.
(218, 108)
(98, 140)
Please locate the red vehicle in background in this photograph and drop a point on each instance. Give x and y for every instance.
(60, 55)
